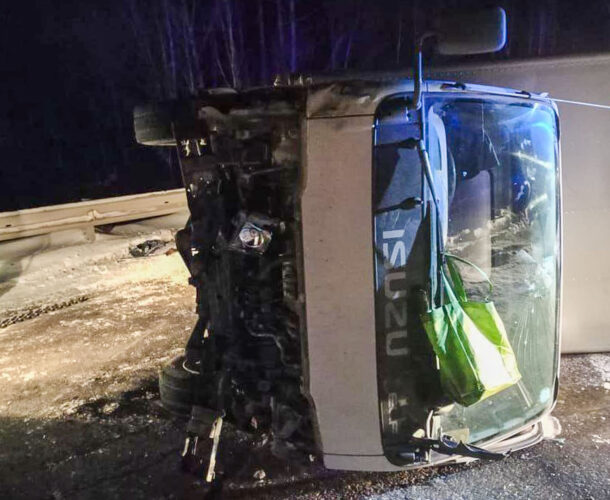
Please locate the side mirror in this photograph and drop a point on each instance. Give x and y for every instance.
(461, 34)
(468, 33)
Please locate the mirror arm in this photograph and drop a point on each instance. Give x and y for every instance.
(418, 70)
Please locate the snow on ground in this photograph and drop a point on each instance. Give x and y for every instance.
(55, 267)
(601, 363)
(134, 315)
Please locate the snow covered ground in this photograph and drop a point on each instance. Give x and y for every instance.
(86, 317)
(58, 266)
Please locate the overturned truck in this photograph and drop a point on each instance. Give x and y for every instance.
(377, 266)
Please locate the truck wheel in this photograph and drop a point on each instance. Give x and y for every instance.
(176, 386)
(153, 125)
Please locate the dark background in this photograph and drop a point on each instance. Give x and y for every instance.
(71, 71)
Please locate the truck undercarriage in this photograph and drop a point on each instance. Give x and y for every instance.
(240, 159)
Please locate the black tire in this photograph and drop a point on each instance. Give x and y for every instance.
(153, 125)
(177, 387)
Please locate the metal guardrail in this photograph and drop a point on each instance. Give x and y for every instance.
(33, 221)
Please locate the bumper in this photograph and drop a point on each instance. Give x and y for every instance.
(546, 427)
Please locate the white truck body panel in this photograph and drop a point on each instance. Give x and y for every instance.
(339, 283)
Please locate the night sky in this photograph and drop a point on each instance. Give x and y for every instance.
(73, 70)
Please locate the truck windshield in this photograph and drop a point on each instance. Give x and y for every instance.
(498, 161)
(495, 163)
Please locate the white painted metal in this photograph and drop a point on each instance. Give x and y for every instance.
(33, 221)
(339, 286)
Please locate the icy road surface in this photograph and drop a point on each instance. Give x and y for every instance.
(80, 415)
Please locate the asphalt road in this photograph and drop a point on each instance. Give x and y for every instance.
(80, 416)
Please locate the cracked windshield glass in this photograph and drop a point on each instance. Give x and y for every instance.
(495, 162)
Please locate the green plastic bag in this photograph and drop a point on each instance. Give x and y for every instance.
(475, 357)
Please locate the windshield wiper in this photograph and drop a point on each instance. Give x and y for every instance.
(406, 204)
